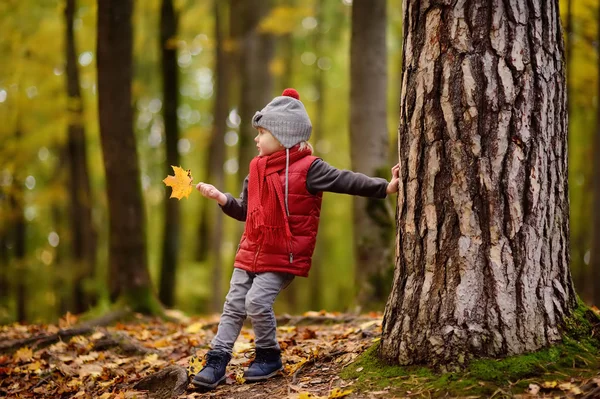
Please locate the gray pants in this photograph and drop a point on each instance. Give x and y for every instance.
(252, 295)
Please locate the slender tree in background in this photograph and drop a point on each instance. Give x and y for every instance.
(18, 239)
(594, 267)
(170, 80)
(316, 276)
(285, 47)
(127, 241)
(257, 50)
(83, 233)
(482, 263)
(231, 49)
(216, 154)
(4, 280)
(373, 223)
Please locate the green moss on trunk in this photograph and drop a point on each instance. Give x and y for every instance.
(141, 300)
(577, 356)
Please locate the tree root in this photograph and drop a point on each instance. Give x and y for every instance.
(41, 341)
(168, 383)
(124, 342)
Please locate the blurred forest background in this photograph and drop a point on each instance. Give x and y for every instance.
(54, 258)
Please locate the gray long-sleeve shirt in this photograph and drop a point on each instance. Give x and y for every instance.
(321, 177)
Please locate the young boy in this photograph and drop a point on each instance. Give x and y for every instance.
(280, 203)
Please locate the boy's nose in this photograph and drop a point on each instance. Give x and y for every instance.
(256, 139)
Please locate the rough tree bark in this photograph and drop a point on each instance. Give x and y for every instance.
(170, 75)
(129, 277)
(257, 50)
(373, 223)
(482, 261)
(83, 233)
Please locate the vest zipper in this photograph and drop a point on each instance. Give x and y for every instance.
(256, 257)
(291, 257)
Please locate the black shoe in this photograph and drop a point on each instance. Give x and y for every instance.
(213, 372)
(266, 364)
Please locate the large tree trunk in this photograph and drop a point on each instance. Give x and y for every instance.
(170, 74)
(482, 264)
(127, 241)
(216, 155)
(594, 266)
(257, 83)
(82, 230)
(373, 223)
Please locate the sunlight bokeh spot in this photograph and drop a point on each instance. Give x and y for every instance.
(146, 181)
(155, 105)
(185, 59)
(30, 182)
(231, 138)
(194, 117)
(309, 23)
(233, 120)
(155, 137)
(3, 95)
(183, 146)
(43, 154)
(32, 92)
(308, 58)
(46, 257)
(53, 239)
(324, 63)
(86, 58)
(231, 166)
(587, 257)
(30, 213)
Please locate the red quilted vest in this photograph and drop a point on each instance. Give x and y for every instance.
(294, 257)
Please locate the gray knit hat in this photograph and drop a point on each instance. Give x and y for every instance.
(286, 118)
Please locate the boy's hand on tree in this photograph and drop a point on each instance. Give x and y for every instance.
(209, 191)
(393, 184)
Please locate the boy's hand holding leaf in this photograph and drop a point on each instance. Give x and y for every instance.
(210, 191)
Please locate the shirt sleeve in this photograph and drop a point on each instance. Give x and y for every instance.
(237, 207)
(324, 177)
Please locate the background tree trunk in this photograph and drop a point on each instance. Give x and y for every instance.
(216, 155)
(127, 242)
(170, 75)
(594, 266)
(316, 273)
(4, 255)
(257, 83)
(83, 233)
(18, 226)
(373, 222)
(482, 264)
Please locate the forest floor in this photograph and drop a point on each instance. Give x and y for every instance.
(323, 354)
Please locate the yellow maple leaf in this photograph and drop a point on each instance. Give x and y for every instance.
(181, 183)
(338, 393)
(23, 355)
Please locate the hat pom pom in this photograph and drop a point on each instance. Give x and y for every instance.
(291, 93)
